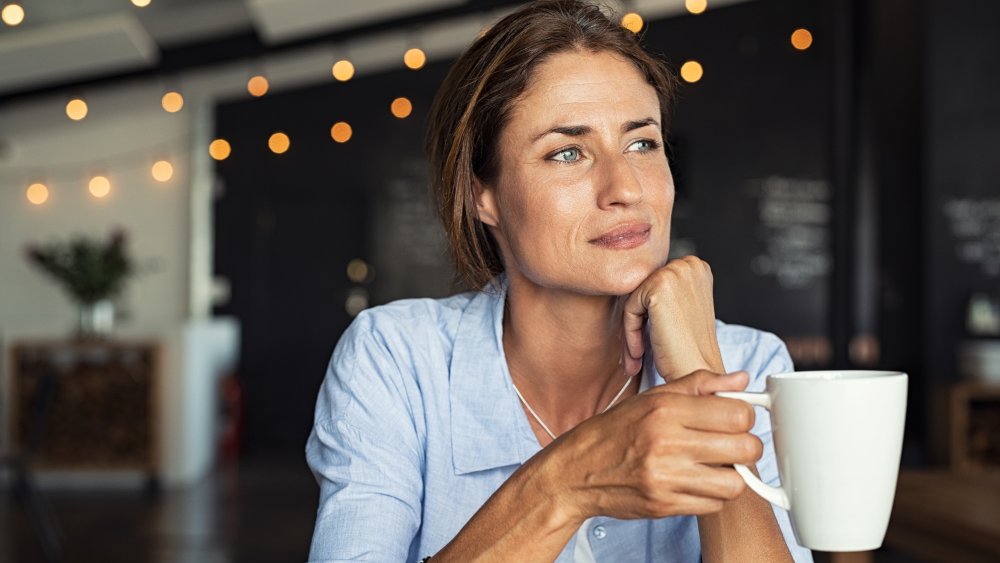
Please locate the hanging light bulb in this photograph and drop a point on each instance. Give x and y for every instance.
(76, 109)
(692, 71)
(141, 3)
(172, 101)
(12, 14)
(37, 193)
(696, 6)
(343, 70)
(401, 107)
(162, 170)
(279, 143)
(99, 186)
(341, 132)
(414, 59)
(632, 22)
(257, 86)
(802, 39)
(219, 149)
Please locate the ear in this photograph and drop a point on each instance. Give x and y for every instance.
(486, 202)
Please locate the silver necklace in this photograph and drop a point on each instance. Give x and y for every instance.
(546, 428)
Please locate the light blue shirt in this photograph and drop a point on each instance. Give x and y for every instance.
(417, 424)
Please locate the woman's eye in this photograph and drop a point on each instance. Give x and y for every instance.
(566, 155)
(644, 145)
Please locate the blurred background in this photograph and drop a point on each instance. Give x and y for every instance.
(197, 196)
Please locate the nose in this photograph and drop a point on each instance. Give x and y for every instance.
(618, 183)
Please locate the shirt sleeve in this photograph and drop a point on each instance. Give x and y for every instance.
(364, 452)
(775, 360)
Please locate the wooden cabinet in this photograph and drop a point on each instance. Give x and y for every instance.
(86, 404)
(975, 426)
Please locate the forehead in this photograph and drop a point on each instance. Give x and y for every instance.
(578, 84)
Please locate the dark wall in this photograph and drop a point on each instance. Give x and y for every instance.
(962, 170)
(287, 225)
(751, 141)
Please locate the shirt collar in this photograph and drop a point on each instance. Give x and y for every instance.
(486, 419)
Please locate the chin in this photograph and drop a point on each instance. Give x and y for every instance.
(622, 279)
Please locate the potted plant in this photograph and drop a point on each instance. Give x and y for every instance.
(92, 271)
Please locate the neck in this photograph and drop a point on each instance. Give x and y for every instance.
(563, 350)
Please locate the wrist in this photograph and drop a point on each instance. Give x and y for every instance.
(551, 480)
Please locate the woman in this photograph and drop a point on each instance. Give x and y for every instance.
(565, 412)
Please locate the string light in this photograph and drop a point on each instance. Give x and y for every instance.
(692, 71)
(401, 107)
(802, 39)
(341, 132)
(414, 59)
(343, 70)
(219, 149)
(279, 143)
(38, 193)
(12, 14)
(696, 6)
(632, 22)
(172, 102)
(162, 171)
(99, 186)
(141, 3)
(76, 109)
(257, 86)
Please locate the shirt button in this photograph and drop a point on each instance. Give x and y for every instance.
(599, 532)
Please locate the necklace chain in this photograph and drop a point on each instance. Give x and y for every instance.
(539, 419)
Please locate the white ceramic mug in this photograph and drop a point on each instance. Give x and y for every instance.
(838, 436)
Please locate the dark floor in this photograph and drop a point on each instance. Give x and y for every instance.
(259, 511)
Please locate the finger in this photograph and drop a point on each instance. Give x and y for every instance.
(719, 448)
(714, 414)
(704, 382)
(634, 322)
(719, 483)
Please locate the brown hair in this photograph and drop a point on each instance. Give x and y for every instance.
(474, 103)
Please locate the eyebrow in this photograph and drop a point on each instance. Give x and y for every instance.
(579, 130)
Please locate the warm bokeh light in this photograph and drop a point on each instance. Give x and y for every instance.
(691, 71)
(219, 149)
(696, 6)
(162, 170)
(357, 270)
(632, 22)
(802, 39)
(341, 132)
(141, 3)
(38, 193)
(414, 58)
(12, 14)
(279, 143)
(257, 86)
(172, 102)
(343, 70)
(99, 186)
(401, 107)
(76, 109)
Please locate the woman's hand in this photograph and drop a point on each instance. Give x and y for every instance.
(677, 300)
(661, 453)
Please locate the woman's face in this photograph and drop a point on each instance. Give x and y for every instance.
(583, 196)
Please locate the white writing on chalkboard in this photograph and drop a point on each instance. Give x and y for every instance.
(794, 217)
(975, 225)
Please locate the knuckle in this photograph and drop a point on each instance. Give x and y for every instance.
(734, 486)
(750, 449)
(742, 417)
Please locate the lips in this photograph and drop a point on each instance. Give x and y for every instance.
(623, 237)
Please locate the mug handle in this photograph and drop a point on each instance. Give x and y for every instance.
(774, 495)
